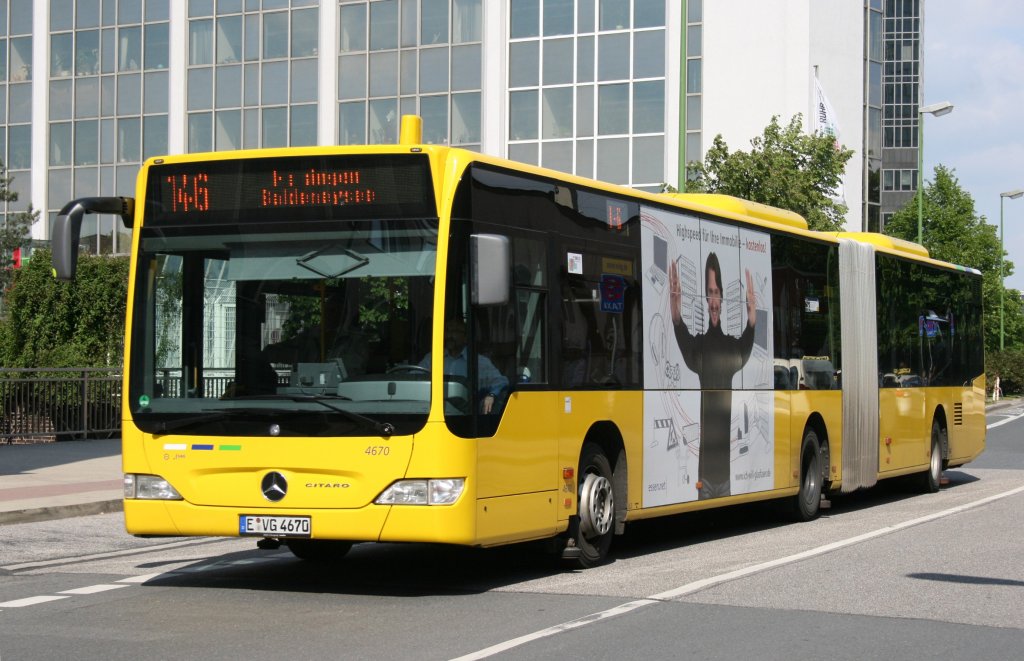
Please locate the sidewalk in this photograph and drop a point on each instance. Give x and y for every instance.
(58, 480)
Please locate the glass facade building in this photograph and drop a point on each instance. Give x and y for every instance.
(108, 98)
(16, 125)
(873, 115)
(901, 95)
(612, 89)
(586, 87)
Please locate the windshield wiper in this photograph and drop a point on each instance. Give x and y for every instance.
(385, 429)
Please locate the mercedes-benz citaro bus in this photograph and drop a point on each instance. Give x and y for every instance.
(415, 343)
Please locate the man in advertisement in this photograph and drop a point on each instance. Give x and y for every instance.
(715, 357)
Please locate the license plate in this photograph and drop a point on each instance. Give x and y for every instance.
(276, 526)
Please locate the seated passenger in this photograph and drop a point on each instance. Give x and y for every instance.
(490, 381)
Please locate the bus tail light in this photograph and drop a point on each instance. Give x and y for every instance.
(422, 492)
(149, 487)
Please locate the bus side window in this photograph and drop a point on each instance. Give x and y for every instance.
(513, 336)
(530, 281)
(806, 308)
(600, 310)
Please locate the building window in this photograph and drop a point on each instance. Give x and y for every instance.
(557, 51)
(899, 180)
(108, 87)
(693, 151)
(16, 111)
(901, 72)
(412, 57)
(252, 75)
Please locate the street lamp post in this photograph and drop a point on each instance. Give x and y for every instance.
(938, 109)
(1013, 195)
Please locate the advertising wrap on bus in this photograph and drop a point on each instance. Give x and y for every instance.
(708, 401)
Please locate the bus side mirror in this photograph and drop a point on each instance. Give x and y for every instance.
(489, 269)
(67, 228)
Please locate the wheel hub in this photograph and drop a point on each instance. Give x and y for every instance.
(597, 506)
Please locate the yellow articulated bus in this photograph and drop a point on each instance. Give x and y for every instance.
(412, 343)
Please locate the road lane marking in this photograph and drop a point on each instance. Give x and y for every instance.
(29, 601)
(93, 589)
(134, 580)
(142, 578)
(558, 628)
(110, 554)
(702, 584)
(1003, 422)
(712, 581)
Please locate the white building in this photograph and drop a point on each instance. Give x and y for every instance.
(621, 90)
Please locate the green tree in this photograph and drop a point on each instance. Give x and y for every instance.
(953, 231)
(785, 168)
(16, 231)
(1009, 366)
(65, 324)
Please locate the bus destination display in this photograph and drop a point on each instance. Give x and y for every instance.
(293, 188)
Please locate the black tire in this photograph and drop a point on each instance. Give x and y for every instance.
(591, 530)
(806, 503)
(319, 550)
(930, 479)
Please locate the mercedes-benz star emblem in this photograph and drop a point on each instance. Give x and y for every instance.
(274, 487)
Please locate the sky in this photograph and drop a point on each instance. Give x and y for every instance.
(974, 58)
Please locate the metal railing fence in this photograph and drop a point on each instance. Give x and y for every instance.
(58, 404)
(55, 404)
(217, 381)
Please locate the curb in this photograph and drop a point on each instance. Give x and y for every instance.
(1002, 404)
(61, 512)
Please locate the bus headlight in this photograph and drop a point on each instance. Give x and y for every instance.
(149, 487)
(422, 492)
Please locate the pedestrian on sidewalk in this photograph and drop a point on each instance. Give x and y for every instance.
(997, 390)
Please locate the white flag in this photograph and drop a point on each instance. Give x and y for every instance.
(826, 122)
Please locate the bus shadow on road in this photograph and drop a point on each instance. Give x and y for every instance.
(893, 490)
(664, 534)
(397, 570)
(412, 570)
(963, 578)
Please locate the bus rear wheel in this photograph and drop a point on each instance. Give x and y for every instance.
(592, 528)
(931, 478)
(319, 550)
(807, 503)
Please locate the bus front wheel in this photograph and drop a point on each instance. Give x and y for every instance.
(592, 528)
(807, 502)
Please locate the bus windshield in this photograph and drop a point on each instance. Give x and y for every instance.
(304, 329)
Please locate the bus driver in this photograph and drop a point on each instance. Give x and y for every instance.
(490, 381)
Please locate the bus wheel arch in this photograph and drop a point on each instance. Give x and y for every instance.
(601, 490)
(607, 436)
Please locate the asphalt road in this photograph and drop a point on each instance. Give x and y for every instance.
(884, 573)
